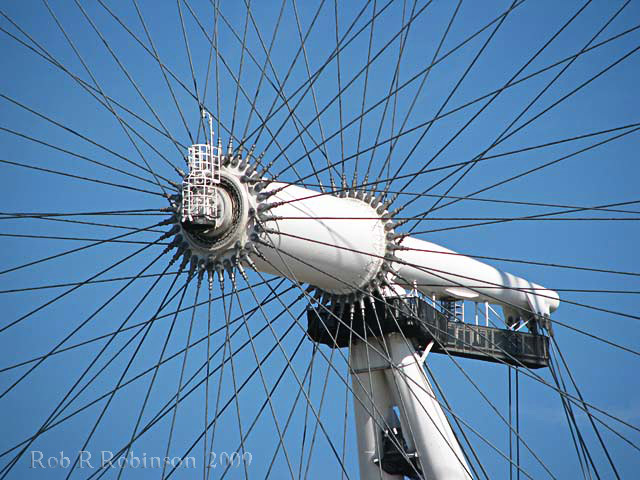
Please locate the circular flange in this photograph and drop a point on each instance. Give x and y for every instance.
(219, 247)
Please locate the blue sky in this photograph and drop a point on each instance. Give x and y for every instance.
(600, 176)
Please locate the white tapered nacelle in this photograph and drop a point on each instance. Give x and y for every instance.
(339, 245)
(435, 270)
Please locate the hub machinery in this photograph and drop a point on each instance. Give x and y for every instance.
(344, 247)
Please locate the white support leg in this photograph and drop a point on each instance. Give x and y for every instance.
(373, 407)
(438, 450)
(379, 388)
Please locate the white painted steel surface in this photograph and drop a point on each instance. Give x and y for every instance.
(424, 424)
(373, 407)
(341, 254)
(443, 272)
(320, 251)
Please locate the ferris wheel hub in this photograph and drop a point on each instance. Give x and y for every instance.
(228, 215)
(219, 223)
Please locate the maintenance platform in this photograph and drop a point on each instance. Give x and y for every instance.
(422, 323)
